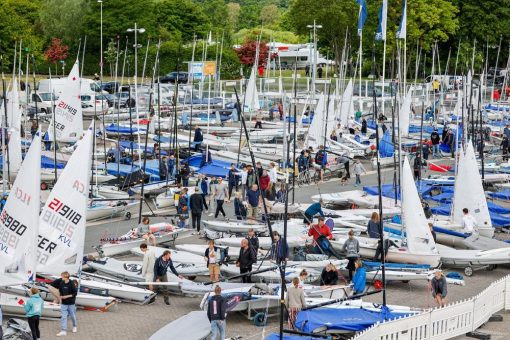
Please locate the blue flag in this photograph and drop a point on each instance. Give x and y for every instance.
(383, 14)
(363, 14)
(402, 29)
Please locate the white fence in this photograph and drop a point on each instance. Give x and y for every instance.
(445, 323)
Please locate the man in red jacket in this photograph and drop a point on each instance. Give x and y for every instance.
(317, 230)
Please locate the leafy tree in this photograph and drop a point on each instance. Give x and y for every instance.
(269, 15)
(280, 36)
(181, 18)
(110, 55)
(233, 12)
(56, 52)
(247, 53)
(63, 19)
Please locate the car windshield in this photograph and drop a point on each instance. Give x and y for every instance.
(46, 96)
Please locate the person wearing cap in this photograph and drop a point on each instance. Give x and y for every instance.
(318, 230)
(312, 210)
(435, 139)
(439, 288)
(351, 251)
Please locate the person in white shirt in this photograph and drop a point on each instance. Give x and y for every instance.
(350, 125)
(272, 173)
(148, 264)
(244, 179)
(468, 222)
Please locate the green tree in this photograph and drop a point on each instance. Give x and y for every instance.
(269, 15)
(233, 12)
(63, 19)
(19, 22)
(181, 19)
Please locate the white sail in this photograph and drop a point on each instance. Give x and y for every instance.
(316, 128)
(469, 192)
(62, 221)
(405, 112)
(20, 218)
(251, 101)
(419, 238)
(14, 151)
(68, 111)
(13, 108)
(346, 105)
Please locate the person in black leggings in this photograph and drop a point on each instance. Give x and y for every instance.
(33, 309)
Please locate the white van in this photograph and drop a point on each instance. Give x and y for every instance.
(56, 85)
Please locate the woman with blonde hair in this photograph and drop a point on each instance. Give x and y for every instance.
(212, 256)
(329, 275)
(439, 288)
(295, 301)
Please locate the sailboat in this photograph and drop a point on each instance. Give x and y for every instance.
(18, 226)
(420, 247)
(470, 196)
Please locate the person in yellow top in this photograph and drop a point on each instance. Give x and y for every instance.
(435, 86)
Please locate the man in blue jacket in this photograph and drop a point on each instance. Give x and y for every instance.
(312, 210)
(160, 273)
(217, 313)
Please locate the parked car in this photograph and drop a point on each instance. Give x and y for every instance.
(182, 77)
(91, 105)
(122, 99)
(45, 101)
(110, 86)
(110, 98)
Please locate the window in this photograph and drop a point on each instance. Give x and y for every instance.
(94, 87)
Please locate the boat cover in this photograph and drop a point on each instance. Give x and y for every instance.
(348, 319)
(386, 148)
(502, 195)
(114, 128)
(274, 336)
(192, 326)
(493, 208)
(46, 163)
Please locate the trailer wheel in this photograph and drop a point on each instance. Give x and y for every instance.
(260, 319)
(468, 271)
(128, 216)
(491, 267)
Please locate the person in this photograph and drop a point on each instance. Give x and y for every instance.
(185, 172)
(321, 159)
(312, 210)
(504, 147)
(358, 169)
(329, 275)
(253, 198)
(258, 120)
(212, 257)
(220, 193)
(247, 257)
(182, 206)
(307, 70)
(33, 310)
(171, 166)
(280, 110)
(251, 178)
(426, 209)
(67, 292)
(33, 128)
(239, 207)
(333, 135)
(468, 222)
(198, 138)
(364, 126)
(432, 231)
(264, 181)
(319, 72)
(303, 276)
(206, 157)
(351, 251)
(197, 205)
(360, 278)
(417, 166)
(435, 139)
(350, 125)
(435, 86)
(163, 168)
(259, 169)
(161, 266)
(217, 314)
(344, 159)
(425, 149)
(273, 173)
(303, 161)
(357, 137)
(253, 240)
(279, 249)
(233, 179)
(244, 179)
(318, 230)
(203, 189)
(3, 201)
(373, 231)
(281, 195)
(294, 300)
(450, 141)
(148, 263)
(439, 288)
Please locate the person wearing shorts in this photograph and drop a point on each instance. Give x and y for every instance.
(253, 197)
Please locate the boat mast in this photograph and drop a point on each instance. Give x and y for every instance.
(192, 69)
(379, 184)
(295, 134)
(5, 161)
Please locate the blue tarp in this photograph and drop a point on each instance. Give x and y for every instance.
(502, 195)
(275, 336)
(150, 148)
(496, 107)
(124, 170)
(124, 130)
(349, 319)
(390, 265)
(46, 163)
(386, 148)
(196, 160)
(493, 208)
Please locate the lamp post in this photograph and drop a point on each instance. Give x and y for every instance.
(314, 69)
(136, 30)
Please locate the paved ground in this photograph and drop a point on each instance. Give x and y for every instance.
(129, 321)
